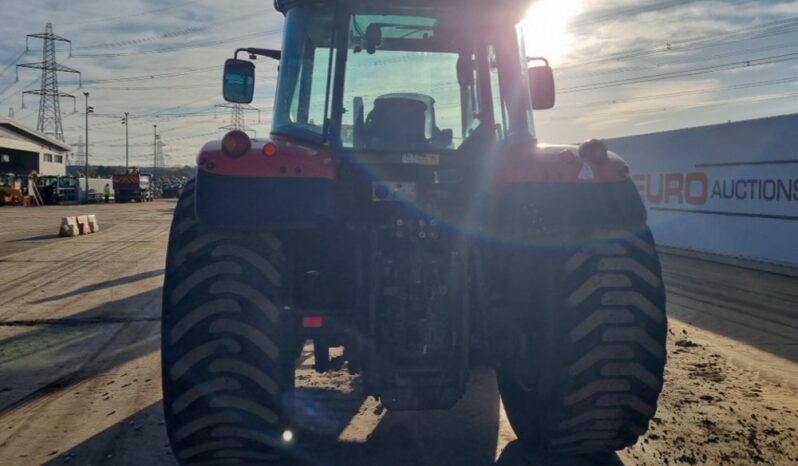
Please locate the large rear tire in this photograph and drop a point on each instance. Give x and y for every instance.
(593, 382)
(227, 376)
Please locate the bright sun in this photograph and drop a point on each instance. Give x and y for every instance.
(546, 28)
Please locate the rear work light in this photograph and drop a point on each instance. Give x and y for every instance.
(594, 151)
(236, 143)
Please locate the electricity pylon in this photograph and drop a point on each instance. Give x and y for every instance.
(49, 96)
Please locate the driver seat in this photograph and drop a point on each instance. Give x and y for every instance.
(401, 122)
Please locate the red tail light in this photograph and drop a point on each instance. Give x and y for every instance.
(270, 149)
(313, 322)
(568, 156)
(236, 143)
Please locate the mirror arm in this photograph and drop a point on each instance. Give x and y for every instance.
(531, 59)
(274, 54)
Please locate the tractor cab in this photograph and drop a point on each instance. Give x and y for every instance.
(391, 98)
(402, 76)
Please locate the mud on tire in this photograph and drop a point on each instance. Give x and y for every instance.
(594, 383)
(226, 376)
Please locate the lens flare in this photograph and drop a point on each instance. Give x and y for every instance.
(546, 28)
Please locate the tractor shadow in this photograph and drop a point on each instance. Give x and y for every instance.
(349, 428)
(468, 434)
(515, 455)
(103, 285)
(333, 406)
(464, 436)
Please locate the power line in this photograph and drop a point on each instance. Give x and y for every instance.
(625, 12)
(107, 142)
(163, 115)
(175, 87)
(13, 62)
(7, 88)
(753, 100)
(171, 49)
(167, 34)
(783, 26)
(134, 15)
(684, 73)
(709, 90)
(142, 40)
(682, 61)
(145, 77)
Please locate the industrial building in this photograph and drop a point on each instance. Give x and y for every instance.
(24, 150)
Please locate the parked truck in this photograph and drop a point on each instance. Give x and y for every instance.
(132, 186)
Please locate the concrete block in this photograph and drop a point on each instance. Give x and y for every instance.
(69, 228)
(83, 224)
(93, 224)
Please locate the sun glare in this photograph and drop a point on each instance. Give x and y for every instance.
(546, 28)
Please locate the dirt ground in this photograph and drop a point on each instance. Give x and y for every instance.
(80, 369)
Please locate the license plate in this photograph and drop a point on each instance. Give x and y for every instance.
(421, 159)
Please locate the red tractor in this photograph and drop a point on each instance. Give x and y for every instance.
(403, 209)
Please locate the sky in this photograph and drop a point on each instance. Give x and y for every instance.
(622, 67)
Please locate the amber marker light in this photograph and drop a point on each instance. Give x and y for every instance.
(236, 143)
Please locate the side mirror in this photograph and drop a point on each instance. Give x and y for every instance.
(373, 38)
(239, 81)
(541, 87)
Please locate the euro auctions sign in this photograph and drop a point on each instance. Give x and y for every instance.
(728, 189)
(709, 189)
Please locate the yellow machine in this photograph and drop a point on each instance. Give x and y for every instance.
(10, 190)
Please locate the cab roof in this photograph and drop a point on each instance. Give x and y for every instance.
(515, 8)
